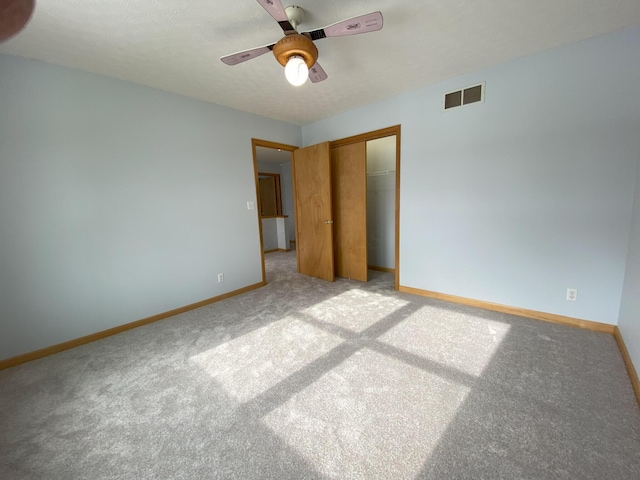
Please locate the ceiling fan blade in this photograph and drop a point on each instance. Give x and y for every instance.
(370, 22)
(276, 10)
(236, 58)
(316, 73)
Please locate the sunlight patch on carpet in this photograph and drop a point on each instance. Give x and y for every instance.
(463, 342)
(249, 365)
(372, 416)
(356, 309)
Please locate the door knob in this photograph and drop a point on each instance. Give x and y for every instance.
(328, 221)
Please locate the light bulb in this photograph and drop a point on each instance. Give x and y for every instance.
(296, 70)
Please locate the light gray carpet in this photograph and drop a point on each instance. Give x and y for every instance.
(308, 379)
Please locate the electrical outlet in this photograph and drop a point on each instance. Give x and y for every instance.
(572, 294)
(220, 277)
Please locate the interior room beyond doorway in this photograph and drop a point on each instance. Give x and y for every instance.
(275, 195)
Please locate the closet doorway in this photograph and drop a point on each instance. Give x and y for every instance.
(381, 204)
(350, 207)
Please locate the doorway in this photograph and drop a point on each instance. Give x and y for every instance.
(274, 192)
(381, 200)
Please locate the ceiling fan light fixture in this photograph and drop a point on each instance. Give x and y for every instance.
(297, 54)
(296, 71)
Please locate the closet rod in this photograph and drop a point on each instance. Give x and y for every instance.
(380, 173)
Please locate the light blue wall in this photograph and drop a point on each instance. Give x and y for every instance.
(269, 167)
(629, 322)
(513, 200)
(117, 202)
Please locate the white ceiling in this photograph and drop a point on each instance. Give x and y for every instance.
(175, 45)
(272, 155)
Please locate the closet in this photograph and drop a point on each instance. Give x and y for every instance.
(345, 195)
(381, 200)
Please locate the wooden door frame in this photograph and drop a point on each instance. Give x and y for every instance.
(255, 142)
(382, 133)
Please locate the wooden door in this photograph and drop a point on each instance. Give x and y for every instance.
(311, 171)
(267, 187)
(349, 188)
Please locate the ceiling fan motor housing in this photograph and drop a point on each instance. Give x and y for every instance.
(295, 15)
(295, 44)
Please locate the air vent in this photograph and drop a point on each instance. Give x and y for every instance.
(465, 96)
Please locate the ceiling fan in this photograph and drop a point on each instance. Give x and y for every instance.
(296, 51)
